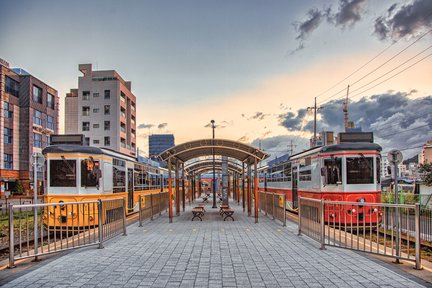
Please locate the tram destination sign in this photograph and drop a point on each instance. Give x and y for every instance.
(356, 137)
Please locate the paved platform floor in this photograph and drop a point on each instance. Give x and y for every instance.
(212, 253)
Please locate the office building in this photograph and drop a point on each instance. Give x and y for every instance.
(159, 143)
(30, 110)
(103, 108)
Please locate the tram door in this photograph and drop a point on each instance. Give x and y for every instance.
(130, 188)
(294, 187)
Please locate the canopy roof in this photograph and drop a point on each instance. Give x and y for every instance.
(200, 166)
(206, 147)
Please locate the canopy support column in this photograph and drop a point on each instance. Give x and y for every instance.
(249, 190)
(243, 187)
(183, 188)
(177, 189)
(170, 191)
(256, 190)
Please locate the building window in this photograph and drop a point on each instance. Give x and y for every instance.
(86, 126)
(95, 125)
(123, 112)
(107, 141)
(123, 142)
(8, 163)
(50, 101)
(37, 94)
(122, 97)
(7, 112)
(86, 95)
(95, 141)
(133, 106)
(133, 133)
(107, 109)
(37, 140)
(50, 122)
(107, 94)
(122, 127)
(11, 86)
(86, 111)
(37, 117)
(95, 110)
(107, 125)
(8, 135)
(87, 141)
(95, 95)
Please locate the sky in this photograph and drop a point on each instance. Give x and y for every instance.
(252, 66)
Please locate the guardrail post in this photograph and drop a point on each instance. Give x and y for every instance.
(11, 238)
(417, 237)
(160, 202)
(124, 217)
(322, 227)
(151, 206)
(36, 232)
(284, 211)
(100, 228)
(274, 208)
(300, 217)
(140, 211)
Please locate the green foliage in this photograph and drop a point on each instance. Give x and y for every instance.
(426, 169)
(19, 188)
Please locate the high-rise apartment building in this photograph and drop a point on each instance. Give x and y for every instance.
(159, 143)
(103, 108)
(30, 112)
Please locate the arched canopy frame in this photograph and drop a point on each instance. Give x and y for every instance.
(207, 147)
(204, 164)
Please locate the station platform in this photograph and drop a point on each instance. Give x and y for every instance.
(211, 253)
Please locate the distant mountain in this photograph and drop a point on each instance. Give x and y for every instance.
(413, 159)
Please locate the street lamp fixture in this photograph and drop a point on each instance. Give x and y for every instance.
(214, 172)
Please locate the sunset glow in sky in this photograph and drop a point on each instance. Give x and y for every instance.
(245, 64)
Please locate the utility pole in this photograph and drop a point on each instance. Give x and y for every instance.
(315, 109)
(345, 110)
(291, 149)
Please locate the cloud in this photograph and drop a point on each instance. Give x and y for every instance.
(162, 125)
(281, 144)
(393, 117)
(258, 116)
(349, 12)
(306, 27)
(143, 126)
(409, 20)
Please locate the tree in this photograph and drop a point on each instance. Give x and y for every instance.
(19, 189)
(426, 169)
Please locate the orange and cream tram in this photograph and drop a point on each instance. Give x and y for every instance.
(347, 172)
(77, 173)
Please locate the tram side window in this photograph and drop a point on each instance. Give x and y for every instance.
(360, 170)
(90, 173)
(62, 173)
(378, 170)
(287, 172)
(332, 171)
(119, 180)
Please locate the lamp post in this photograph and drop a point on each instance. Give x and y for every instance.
(214, 172)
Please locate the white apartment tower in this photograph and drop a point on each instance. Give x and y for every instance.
(103, 108)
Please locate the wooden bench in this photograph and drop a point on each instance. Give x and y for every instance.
(222, 207)
(198, 212)
(205, 199)
(226, 212)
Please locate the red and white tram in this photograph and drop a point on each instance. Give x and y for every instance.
(342, 172)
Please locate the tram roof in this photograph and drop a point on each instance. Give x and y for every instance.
(72, 148)
(207, 147)
(339, 147)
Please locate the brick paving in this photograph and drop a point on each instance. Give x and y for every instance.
(212, 253)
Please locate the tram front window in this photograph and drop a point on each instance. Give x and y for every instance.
(332, 171)
(360, 170)
(62, 173)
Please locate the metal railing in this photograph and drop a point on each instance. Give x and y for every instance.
(273, 205)
(385, 229)
(151, 205)
(41, 229)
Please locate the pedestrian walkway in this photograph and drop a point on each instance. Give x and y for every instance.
(212, 253)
